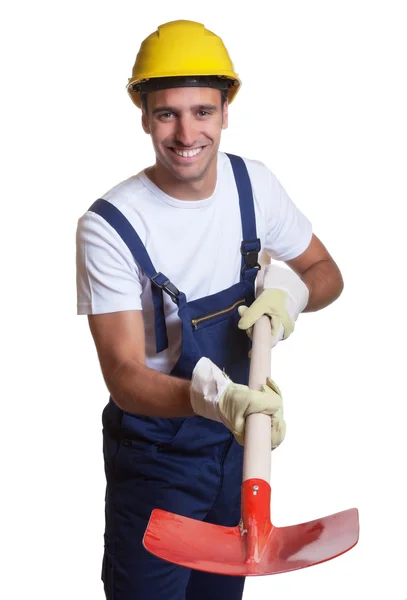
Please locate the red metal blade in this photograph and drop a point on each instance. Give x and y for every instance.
(218, 549)
(233, 551)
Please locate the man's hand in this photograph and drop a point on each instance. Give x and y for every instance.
(283, 298)
(216, 397)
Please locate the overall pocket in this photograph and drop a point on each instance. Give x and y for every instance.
(139, 431)
(214, 317)
(219, 339)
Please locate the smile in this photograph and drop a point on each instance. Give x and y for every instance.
(187, 153)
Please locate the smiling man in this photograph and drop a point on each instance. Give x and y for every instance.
(166, 268)
(185, 130)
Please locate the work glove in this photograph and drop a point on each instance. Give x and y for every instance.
(215, 396)
(283, 298)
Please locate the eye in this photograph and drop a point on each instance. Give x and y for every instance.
(166, 115)
(203, 113)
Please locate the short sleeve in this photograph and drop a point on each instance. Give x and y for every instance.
(107, 276)
(289, 231)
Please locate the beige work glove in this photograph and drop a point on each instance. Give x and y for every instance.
(215, 396)
(283, 298)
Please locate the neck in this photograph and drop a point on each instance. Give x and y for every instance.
(197, 189)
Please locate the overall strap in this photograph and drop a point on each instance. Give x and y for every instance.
(250, 246)
(159, 282)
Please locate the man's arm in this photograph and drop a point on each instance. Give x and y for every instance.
(119, 339)
(120, 344)
(320, 274)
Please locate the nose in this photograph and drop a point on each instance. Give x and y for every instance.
(185, 133)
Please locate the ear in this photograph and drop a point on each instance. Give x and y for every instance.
(225, 115)
(144, 122)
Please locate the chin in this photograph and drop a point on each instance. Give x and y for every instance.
(182, 176)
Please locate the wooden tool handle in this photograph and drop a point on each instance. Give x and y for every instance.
(257, 449)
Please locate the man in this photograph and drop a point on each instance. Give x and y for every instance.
(167, 262)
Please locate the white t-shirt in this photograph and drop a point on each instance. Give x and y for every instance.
(196, 244)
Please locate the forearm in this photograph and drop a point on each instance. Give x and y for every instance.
(325, 284)
(138, 389)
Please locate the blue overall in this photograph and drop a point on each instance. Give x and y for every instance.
(191, 466)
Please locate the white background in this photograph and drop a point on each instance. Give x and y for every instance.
(323, 104)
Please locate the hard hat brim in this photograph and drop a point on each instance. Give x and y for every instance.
(137, 86)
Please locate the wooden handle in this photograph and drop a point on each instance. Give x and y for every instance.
(257, 449)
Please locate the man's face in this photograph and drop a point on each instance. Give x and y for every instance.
(185, 125)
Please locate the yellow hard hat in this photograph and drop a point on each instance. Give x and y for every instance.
(182, 49)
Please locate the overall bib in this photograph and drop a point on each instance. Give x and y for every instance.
(191, 466)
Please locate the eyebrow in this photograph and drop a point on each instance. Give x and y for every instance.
(195, 107)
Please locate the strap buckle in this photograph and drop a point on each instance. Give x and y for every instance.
(167, 286)
(250, 256)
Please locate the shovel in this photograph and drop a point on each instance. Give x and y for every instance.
(255, 546)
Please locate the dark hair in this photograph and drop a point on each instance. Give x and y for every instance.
(222, 85)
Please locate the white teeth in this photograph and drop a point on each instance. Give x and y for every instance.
(189, 153)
